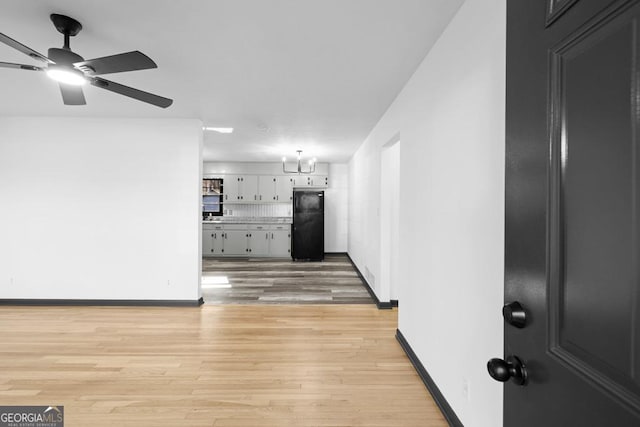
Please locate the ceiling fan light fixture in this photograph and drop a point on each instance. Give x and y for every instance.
(66, 75)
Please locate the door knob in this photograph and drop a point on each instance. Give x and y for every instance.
(514, 314)
(512, 368)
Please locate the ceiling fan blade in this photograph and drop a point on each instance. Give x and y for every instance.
(129, 61)
(131, 92)
(20, 66)
(72, 95)
(24, 49)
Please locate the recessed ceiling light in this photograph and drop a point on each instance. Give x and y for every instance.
(219, 130)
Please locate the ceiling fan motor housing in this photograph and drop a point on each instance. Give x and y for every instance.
(63, 56)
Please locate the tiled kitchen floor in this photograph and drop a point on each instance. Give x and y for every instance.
(282, 281)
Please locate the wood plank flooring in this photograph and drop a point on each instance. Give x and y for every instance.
(282, 281)
(218, 365)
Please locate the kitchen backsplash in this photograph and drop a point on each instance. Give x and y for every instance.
(254, 210)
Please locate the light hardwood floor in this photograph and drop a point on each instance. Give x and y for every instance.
(218, 365)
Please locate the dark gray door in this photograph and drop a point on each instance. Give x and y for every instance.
(572, 214)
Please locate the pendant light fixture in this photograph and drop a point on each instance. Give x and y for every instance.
(312, 165)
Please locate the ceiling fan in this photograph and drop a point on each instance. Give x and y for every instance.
(71, 70)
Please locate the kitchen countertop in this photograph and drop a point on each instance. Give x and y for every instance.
(249, 220)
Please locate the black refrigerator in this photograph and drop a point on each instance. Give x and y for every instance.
(307, 238)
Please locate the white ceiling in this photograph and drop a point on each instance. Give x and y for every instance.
(314, 75)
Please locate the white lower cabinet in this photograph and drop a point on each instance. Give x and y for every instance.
(212, 240)
(246, 240)
(280, 245)
(258, 242)
(235, 241)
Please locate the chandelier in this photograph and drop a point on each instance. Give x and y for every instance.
(312, 165)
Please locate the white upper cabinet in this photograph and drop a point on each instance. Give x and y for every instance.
(275, 188)
(317, 181)
(249, 188)
(267, 188)
(284, 188)
(240, 188)
(231, 188)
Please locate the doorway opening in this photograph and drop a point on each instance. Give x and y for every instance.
(390, 221)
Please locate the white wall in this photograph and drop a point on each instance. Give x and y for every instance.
(450, 120)
(100, 208)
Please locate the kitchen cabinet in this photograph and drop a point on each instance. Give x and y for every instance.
(280, 244)
(267, 188)
(235, 241)
(275, 188)
(284, 188)
(240, 188)
(300, 181)
(231, 188)
(212, 240)
(207, 244)
(316, 181)
(249, 188)
(258, 240)
(242, 240)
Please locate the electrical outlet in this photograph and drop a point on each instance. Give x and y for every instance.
(466, 389)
